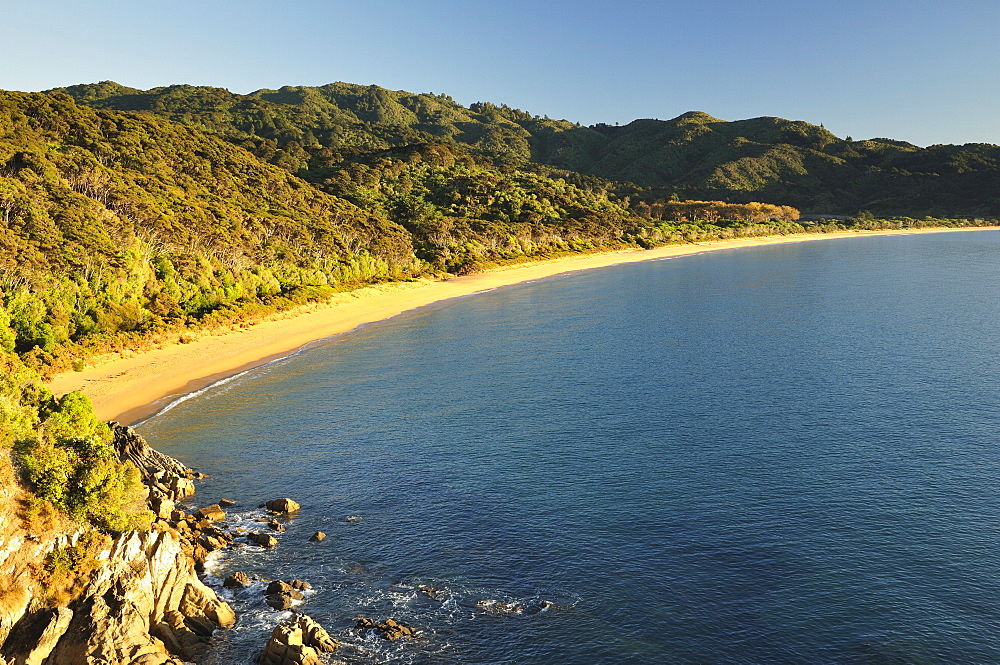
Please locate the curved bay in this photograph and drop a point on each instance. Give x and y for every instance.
(786, 454)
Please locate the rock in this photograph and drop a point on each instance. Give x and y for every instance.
(389, 629)
(237, 580)
(284, 599)
(277, 586)
(431, 592)
(180, 488)
(38, 635)
(315, 635)
(212, 543)
(317, 537)
(275, 525)
(297, 642)
(226, 503)
(262, 539)
(144, 599)
(300, 585)
(282, 506)
(213, 513)
(353, 519)
(152, 464)
(163, 508)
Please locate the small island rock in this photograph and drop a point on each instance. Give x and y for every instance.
(283, 506)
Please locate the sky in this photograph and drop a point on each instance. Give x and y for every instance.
(922, 71)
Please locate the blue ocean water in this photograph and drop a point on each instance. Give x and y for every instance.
(784, 454)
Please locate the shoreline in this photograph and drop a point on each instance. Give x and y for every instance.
(133, 388)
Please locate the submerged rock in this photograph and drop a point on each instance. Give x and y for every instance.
(317, 537)
(389, 629)
(432, 593)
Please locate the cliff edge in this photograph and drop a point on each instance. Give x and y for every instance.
(71, 598)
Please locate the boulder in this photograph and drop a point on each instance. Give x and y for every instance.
(213, 513)
(317, 537)
(283, 601)
(282, 506)
(162, 507)
(226, 503)
(297, 642)
(275, 525)
(180, 488)
(237, 580)
(262, 539)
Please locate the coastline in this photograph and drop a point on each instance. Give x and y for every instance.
(131, 388)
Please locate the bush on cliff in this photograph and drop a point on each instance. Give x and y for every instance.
(66, 454)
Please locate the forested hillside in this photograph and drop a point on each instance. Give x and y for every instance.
(694, 156)
(119, 224)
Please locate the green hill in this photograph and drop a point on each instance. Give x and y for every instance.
(694, 156)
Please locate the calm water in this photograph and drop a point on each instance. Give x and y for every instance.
(785, 454)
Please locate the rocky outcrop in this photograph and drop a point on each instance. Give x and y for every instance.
(166, 477)
(238, 580)
(297, 642)
(142, 604)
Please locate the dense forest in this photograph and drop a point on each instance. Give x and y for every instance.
(694, 156)
(130, 216)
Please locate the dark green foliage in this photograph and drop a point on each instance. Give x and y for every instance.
(695, 155)
(66, 455)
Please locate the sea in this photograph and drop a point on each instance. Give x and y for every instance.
(777, 454)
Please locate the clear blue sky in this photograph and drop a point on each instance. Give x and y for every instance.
(925, 71)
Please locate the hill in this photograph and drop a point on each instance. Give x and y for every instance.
(693, 156)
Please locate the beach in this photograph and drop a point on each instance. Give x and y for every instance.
(129, 388)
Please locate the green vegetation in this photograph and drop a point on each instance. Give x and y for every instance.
(695, 156)
(65, 454)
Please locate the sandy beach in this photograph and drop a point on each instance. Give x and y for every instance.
(129, 389)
